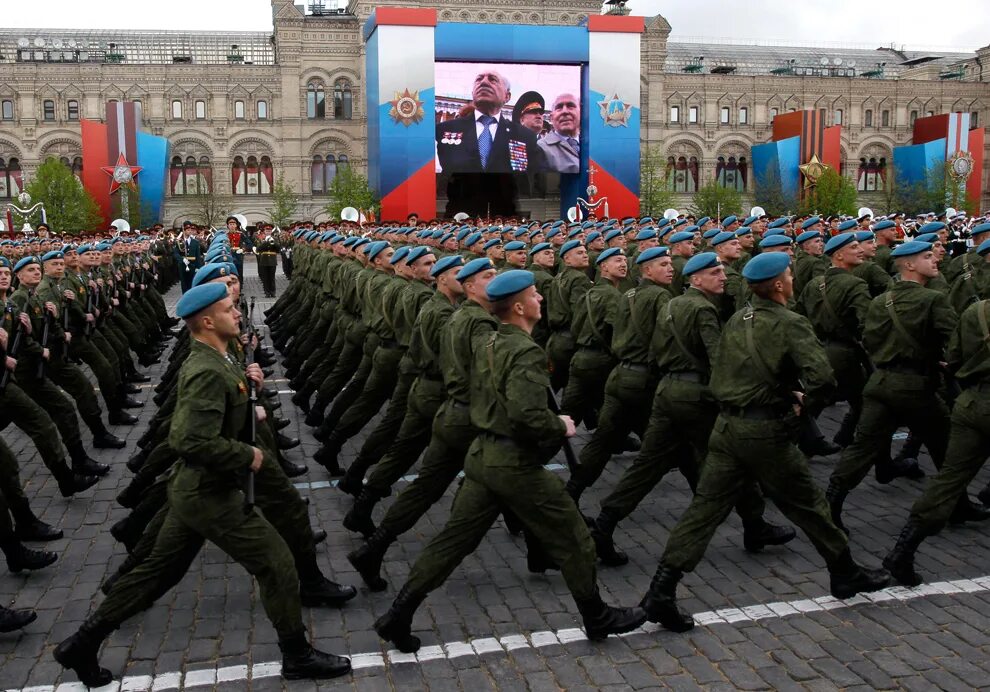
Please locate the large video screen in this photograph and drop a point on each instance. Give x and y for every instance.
(501, 128)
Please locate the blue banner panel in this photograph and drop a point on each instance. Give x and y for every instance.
(555, 45)
(912, 163)
(153, 159)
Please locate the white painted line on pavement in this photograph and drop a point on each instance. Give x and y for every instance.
(512, 642)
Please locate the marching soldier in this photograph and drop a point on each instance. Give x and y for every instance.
(566, 297)
(267, 251)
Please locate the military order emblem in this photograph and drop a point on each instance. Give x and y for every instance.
(961, 166)
(813, 170)
(406, 108)
(615, 112)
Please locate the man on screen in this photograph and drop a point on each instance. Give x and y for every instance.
(483, 151)
(561, 146)
(529, 110)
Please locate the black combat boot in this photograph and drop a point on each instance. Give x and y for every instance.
(70, 483)
(367, 559)
(137, 378)
(601, 620)
(79, 652)
(83, 464)
(119, 416)
(314, 417)
(396, 625)
(131, 496)
(104, 439)
(758, 534)
(126, 401)
(28, 527)
(836, 497)
(602, 529)
(966, 510)
(899, 467)
(135, 463)
(358, 519)
(900, 561)
(660, 601)
(13, 620)
(848, 579)
(300, 661)
(280, 423)
(126, 389)
(353, 481)
(20, 557)
(292, 470)
(326, 456)
(285, 442)
(301, 400)
(575, 489)
(315, 590)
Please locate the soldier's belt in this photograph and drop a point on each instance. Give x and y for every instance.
(755, 412)
(688, 377)
(269, 253)
(503, 440)
(591, 349)
(907, 369)
(635, 367)
(455, 404)
(191, 259)
(389, 343)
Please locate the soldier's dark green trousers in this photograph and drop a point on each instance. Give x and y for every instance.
(13, 501)
(372, 385)
(6, 525)
(106, 375)
(69, 377)
(741, 452)
(194, 516)
(352, 357)
(585, 390)
(377, 443)
(969, 447)
(56, 404)
(495, 481)
(560, 350)
(20, 409)
(890, 400)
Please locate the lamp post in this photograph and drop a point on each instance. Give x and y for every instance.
(24, 210)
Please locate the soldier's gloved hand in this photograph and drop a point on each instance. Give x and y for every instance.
(254, 374)
(259, 456)
(69, 295)
(260, 414)
(50, 307)
(45, 353)
(571, 430)
(68, 337)
(25, 323)
(11, 364)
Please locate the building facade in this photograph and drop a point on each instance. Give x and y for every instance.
(242, 109)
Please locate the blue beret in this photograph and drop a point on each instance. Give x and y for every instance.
(199, 298)
(766, 266)
(557, 224)
(614, 233)
(102, 247)
(399, 255)
(691, 229)
(552, 232)
(848, 225)
(932, 227)
(749, 220)
(209, 272)
(540, 247)
(514, 245)
(449, 262)
(884, 225)
(722, 237)
(808, 223)
(711, 233)
(492, 243)
(4, 262)
(927, 238)
(588, 224)
(729, 220)
(338, 239)
(838, 242)
(53, 255)
(651, 254)
(703, 220)
(774, 231)
(417, 253)
(646, 234)
(26, 261)
(745, 230)
(775, 240)
(69, 248)
(472, 239)
(436, 235)
(912, 247)
(509, 283)
(645, 220)
(703, 260)
(663, 222)
(680, 222)
(808, 235)
(863, 236)
(984, 247)
(629, 220)
(350, 241)
(783, 221)
(445, 237)
(374, 249)
(520, 232)
(473, 267)
(981, 228)
(593, 236)
(608, 254)
(568, 246)
(361, 242)
(462, 234)
(680, 237)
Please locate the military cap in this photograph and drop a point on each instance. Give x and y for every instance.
(66, 249)
(691, 228)
(462, 234)
(703, 260)
(646, 234)
(838, 242)
(445, 237)
(509, 283)
(514, 245)
(645, 220)
(863, 236)
(552, 232)
(361, 242)
(375, 248)
(749, 220)
(337, 239)
(568, 246)
(594, 235)
(529, 102)
(210, 272)
(540, 247)
(809, 222)
(984, 247)
(198, 298)
(711, 233)
(474, 267)
(766, 266)
(492, 243)
(102, 247)
(745, 230)
(729, 220)
(608, 254)
(520, 232)
(25, 262)
(614, 233)
(445, 263)
(329, 235)
(703, 220)
(778, 223)
(574, 232)
(980, 228)
(650, 254)
(4, 262)
(53, 255)
(884, 225)
(848, 225)
(774, 231)
(680, 237)
(912, 247)
(399, 254)
(663, 222)
(628, 220)
(417, 253)
(927, 238)
(679, 223)
(472, 239)
(932, 227)
(588, 224)
(775, 240)
(808, 235)
(722, 237)
(557, 224)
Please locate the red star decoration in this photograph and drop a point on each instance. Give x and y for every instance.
(122, 173)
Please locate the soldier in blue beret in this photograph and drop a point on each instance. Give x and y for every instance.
(515, 254)
(810, 261)
(567, 290)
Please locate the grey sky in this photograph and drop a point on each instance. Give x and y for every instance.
(953, 24)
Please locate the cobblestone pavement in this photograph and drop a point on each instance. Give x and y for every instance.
(765, 621)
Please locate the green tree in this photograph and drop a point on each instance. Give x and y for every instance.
(284, 202)
(933, 194)
(655, 194)
(833, 194)
(714, 200)
(68, 206)
(349, 189)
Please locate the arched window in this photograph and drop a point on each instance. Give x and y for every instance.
(686, 174)
(7, 110)
(316, 106)
(675, 114)
(238, 110)
(316, 172)
(774, 112)
(177, 109)
(324, 170)
(671, 178)
(837, 120)
(48, 107)
(743, 115)
(262, 110)
(872, 174)
(77, 168)
(72, 110)
(868, 118)
(201, 110)
(190, 176)
(884, 118)
(252, 176)
(723, 115)
(11, 178)
(342, 100)
(693, 114)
